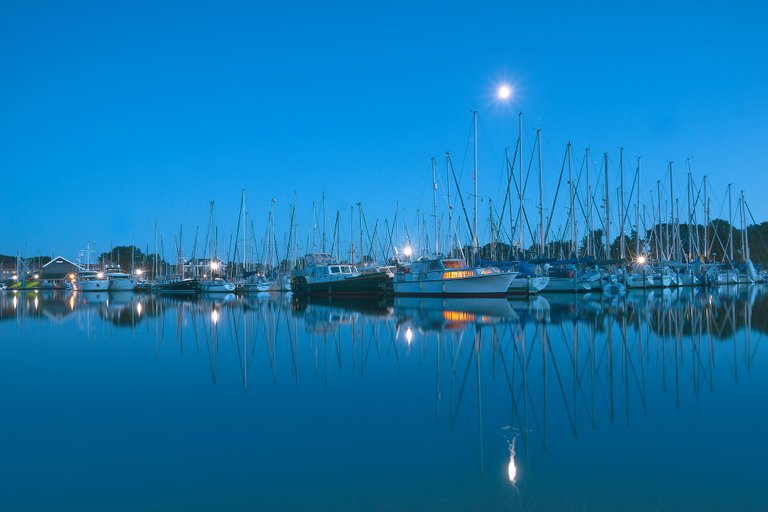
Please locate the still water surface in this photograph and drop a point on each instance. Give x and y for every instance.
(652, 401)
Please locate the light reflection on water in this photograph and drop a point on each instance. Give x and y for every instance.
(577, 402)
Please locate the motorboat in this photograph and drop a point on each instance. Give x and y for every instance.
(322, 275)
(450, 277)
(91, 281)
(216, 285)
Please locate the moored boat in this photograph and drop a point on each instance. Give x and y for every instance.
(323, 276)
(91, 281)
(449, 277)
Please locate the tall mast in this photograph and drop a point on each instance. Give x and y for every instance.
(659, 230)
(706, 220)
(672, 206)
(352, 235)
(690, 234)
(450, 206)
(621, 203)
(474, 177)
(730, 225)
(637, 213)
(589, 204)
(745, 226)
(360, 222)
(324, 216)
(607, 210)
(520, 189)
(434, 204)
(541, 196)
(573, 244)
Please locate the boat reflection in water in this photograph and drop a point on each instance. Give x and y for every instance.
(575, 377)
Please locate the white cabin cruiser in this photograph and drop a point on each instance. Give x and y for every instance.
(449, 277)
(120, 281)
(91, 281)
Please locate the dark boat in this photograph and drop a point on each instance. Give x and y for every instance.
(323, 276)
(186, 286)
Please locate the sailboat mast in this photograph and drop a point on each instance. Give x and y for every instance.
(541, 196)
(607, 210)
(573, 244)
(474, 177)
(589, 204)
(674, 252)
(659, 229)
(745, 226)
(706, 220)
(434, 205)
(730, 225)
(520, 189)
(637, 213)
(324, 216)
(622, 249)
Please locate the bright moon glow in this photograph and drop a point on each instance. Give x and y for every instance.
(504, 92)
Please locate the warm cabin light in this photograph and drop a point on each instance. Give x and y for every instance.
(215, 317)
(458, 274)
(408, 335)
(72, 277)
(504, 92)
(641, 260)
(100, 275)
(408, 251)
(215, 265)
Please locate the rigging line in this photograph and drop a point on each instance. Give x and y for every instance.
(466, 150)
(557, 192)
(461, 198)
(510, 170)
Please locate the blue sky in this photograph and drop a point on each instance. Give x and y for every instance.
(113, 116)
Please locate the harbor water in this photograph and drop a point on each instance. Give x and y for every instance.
(649, 401)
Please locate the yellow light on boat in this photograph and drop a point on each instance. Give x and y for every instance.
(100, 275)
(408, 335)
(641, 260)
(408, 251)
(458, 274)
(215, 317)
(504, 92)
(71, 277)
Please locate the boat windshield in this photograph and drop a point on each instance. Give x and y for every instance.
(454, 264)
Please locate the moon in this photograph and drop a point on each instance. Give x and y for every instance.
(504, 92)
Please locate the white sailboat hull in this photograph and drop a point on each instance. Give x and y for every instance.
(567, 284)
(527, 285)
(216, 287)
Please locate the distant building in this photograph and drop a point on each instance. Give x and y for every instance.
(55, 273)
